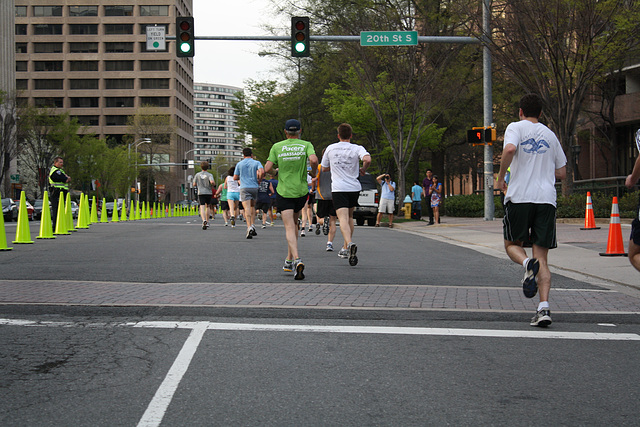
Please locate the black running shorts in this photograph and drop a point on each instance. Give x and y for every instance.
(296, 204)
(346, 199)
(530, 223)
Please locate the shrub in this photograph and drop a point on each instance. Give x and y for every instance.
(572, 206)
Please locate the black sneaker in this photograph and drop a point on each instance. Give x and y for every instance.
(298, 266)
(529, 283)
(317, 228)
(542, 318)
(325, 226)
(249, 234)
(352, 249)
(205, 225)
(253, 230)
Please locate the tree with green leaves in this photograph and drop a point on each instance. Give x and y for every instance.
(8, 130)
(559, 49)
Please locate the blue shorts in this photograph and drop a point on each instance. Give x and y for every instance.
(233, 196)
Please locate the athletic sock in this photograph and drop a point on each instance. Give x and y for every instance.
(525, 262)
(544, 305)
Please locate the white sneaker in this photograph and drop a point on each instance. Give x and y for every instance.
(329, 247)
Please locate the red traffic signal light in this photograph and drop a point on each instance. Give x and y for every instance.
(185, 37)
(300, 36)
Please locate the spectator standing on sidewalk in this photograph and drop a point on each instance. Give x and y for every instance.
(343, 159)
(435, 198)
(290, 157)
(205, 184)
(387, 198)
(634, 240)
(426, 184)
(416, 200)
(536, 159)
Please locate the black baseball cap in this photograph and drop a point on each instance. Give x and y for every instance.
(292, 125)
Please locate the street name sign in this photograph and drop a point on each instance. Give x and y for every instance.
(156, 38)
(388, 38)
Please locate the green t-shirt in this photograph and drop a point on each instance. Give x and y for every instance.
(290, 157)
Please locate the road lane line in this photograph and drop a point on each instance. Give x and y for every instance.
(390, 330)
(158, 406)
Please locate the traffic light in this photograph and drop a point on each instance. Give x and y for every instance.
(480, 135)
(300, 36)
(185, 38)
(184, 164)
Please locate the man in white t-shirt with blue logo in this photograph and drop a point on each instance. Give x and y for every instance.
(343, 159)
(249, 171)
(537, 160)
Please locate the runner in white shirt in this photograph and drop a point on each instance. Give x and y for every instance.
(537, 160)
(233, 194)
(343, 159)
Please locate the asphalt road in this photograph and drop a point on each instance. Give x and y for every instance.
(183, 365)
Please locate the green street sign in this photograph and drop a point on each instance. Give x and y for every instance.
(388, 38)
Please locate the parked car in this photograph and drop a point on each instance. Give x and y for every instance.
(368, 201)
(74, 209)
(37, 208)
(9, 210)
(30, 210)
(109, 208)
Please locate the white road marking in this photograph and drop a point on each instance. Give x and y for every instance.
(155, 411)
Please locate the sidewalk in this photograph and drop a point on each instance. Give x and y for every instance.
(577, 255)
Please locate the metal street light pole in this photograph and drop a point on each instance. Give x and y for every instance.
(136, 143)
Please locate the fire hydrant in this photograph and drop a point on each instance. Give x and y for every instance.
(407, 207)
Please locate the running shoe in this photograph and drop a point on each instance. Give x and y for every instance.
(329, 247)
(205, 225)
(298, 266)
(249, 234)
(264, 226)
(317, 228)
(233, 221)
(352, 249)
(288, 265)
(325, 225)
(542, 318)
(302, 233)
(529, 283)
(311, 228)
(253, 230)
(226, 224)
(343, 253)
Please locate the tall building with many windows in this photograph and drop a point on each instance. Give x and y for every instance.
(90, 59)
(216, 125)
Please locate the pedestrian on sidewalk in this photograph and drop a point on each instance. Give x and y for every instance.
(343, 159)
(435, 198)
(205, 184)
(387, 198)
(290, 157)
(537, 160)
(634, 240)
(426, 185)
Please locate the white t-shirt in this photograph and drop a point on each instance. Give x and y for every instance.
(344, 160)
(533, 168)
(232, 185)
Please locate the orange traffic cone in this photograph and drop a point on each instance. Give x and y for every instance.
(615, 246)
(589, 218)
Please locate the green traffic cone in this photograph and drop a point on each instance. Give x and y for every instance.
(68, 213)
(94, 211)
(61, 218)
(123, 214)
(114, 216)
(81, 222)
(3, 235)
(103, 213)
(23, 235)
(46, 228)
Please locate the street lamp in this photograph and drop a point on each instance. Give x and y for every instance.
(136, 143)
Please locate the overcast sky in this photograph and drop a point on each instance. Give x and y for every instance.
(232, 62)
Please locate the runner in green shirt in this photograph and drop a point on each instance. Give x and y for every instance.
(290, 158)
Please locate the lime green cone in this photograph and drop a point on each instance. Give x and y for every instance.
(23, 235)
(46, 227)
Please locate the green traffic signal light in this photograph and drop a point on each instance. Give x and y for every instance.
(300, 36)
(185, 36)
